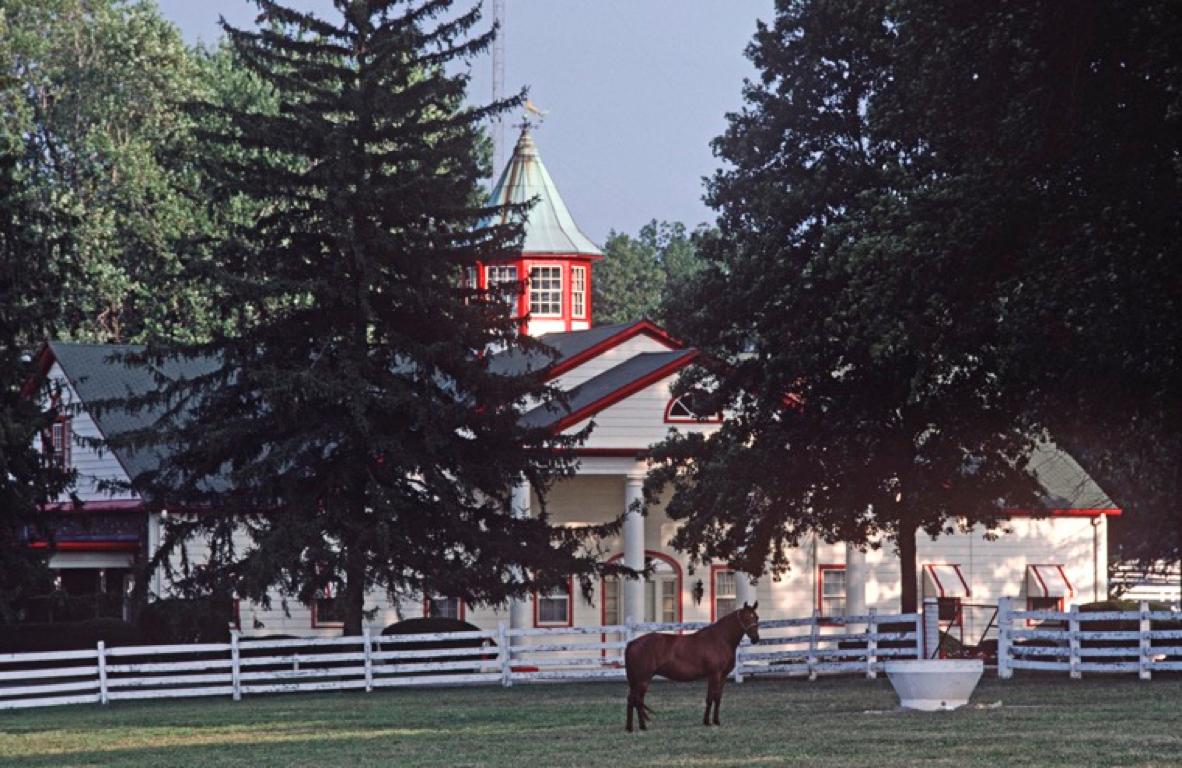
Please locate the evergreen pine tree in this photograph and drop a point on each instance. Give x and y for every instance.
(348, 421)
(32, 256)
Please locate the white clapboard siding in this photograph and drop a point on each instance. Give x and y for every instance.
(609, 359)
(93, 464)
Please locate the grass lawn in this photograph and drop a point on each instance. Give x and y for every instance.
(837, 721)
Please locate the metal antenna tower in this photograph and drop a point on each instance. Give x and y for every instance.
(498, 84)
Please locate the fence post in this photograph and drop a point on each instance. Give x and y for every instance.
(235, 666)
(102, 672)
(871, 644)
(368, 651)
(1004, 624)
(931, 628)
(814, 630)
(739, 653)
(1144, 670)
(919, 635)
(1073, 641)
(503, 654)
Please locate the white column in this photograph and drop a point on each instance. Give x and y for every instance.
(519, 609)
(855, 585)
(633, 603)
(155, 525)
(744, 589)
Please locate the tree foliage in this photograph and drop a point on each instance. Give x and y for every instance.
(345, 414)
(97, 92)
(31, 257)
(638, 275)
(925, 208)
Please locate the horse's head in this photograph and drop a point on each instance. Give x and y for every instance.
(749, 621)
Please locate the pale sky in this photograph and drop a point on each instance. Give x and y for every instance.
(636, 89)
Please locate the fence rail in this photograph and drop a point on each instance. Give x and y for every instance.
(803, 647)
(1074, 641)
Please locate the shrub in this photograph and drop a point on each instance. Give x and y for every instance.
(72, 636)
(178, 621)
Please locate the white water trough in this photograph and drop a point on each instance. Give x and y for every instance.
(930, 685)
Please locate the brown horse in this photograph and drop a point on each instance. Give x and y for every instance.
(708, 653)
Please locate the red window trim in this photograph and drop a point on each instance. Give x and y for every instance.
(821, 568)
(659, 556)
(714, 570)
(586, 304)
(563, 311)
(326, 594)
(570, 607)
(1030, 607)
(427, 606)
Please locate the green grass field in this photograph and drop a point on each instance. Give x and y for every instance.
(839, 721)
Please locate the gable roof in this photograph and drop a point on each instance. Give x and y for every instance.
(609, 387)
(1064, 482)
(572, 348)
(98, 372)
(549, 226)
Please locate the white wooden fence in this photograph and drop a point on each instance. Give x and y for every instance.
(246, 667)
(1068, 641)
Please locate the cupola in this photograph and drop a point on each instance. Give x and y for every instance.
(556, 257)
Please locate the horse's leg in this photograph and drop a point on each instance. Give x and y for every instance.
(631, 704)
(709, 699)
(641, 713)
(718, 697)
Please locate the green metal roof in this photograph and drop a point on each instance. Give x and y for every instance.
(549, 227)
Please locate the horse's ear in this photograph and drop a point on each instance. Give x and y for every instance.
(755, 606)
(745, 606)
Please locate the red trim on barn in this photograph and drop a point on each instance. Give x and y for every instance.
(1113, 512)
(316, 623)
(931, 569)
(630, 389)
(623, 453)
(88, 546)
(570, 607)
(107, 505)
(42, 363)
(645, 327)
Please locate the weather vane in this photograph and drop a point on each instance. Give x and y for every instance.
(531, 109)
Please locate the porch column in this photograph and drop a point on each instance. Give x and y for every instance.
(519, 609)
(855, 585)
(744, 589)
(155, 524)
(633, 602)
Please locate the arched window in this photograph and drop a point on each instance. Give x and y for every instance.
(662, 592)
(684, 409)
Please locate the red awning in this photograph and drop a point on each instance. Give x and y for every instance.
(944, 580)
(1048, 580)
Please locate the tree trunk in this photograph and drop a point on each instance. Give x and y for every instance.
(909, 594)
(354, 589)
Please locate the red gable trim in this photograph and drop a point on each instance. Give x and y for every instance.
(652, 330)
(41, 365)
(1063, 513)
(106, 505)
(630, 389)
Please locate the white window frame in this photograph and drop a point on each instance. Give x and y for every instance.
(545, 296)
(719, 594)
(822, 597)
(578, 292)
(563, 596)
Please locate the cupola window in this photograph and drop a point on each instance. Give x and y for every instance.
(545, 291)
(578, 292)
(499, 276)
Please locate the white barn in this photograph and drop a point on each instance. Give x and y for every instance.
(618, 378)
